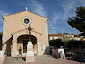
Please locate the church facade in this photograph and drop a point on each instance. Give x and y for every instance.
(16, 33)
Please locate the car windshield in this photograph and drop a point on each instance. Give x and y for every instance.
(67, 50)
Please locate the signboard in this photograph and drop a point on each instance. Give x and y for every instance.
(43, 46)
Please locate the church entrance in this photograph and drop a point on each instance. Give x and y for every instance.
(22, 42)
(25, 42)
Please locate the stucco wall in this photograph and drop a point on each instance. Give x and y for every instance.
(13, 23)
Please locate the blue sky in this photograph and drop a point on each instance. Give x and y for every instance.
(57, 12)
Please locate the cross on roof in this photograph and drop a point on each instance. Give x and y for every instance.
(26, 8)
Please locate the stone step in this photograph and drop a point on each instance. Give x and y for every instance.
(9, 60)
(44, 57)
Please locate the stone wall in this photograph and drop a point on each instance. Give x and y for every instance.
(2, 57)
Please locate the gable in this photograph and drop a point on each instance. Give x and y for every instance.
(13, 22)
(23, 12)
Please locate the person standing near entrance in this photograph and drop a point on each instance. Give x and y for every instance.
(61, 55)
(20, 52)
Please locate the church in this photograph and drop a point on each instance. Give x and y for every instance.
(21, 27)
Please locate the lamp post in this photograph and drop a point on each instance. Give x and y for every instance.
(49, 30)
(80, 47)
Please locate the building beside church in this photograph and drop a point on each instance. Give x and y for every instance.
(65, 37)
(16, 33)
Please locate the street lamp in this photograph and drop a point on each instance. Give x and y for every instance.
(49, 30)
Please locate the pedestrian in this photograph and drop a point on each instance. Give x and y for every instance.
(61, 54)
(20, 52)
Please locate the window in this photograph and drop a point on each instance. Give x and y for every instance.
(26, 21)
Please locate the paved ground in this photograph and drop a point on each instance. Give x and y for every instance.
(41, 60)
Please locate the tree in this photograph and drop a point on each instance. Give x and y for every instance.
(79, 20)
(73, 44)
(65, 43)
(51, 42)
(56, 43)
(65, 33)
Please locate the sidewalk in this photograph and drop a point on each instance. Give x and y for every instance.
(51, 62)
(57, 62)
(42, 60)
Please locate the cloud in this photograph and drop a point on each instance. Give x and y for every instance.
(2, 13)
(59, 18)
(56, 17)
(65, 12)
(80, 2)
(68, 6)
(38, 8)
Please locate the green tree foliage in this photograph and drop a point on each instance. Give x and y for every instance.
(51, 42)
(56, 43)
(1, 37)
(83, 45)
(73, 44)
(79, 20)
(65, 43)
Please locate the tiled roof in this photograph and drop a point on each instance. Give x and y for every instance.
(77, 35)
(55, 35)
(0, 32)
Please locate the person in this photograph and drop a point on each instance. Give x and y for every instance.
(61, 54)
(57, 54)
(20, 52)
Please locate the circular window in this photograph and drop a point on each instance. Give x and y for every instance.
(26, 21)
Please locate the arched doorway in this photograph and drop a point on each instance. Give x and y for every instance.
(22, 42)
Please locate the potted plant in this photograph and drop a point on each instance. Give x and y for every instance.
(5, 53)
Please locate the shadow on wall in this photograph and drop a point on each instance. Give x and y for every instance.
(0, 41)
(8, 46)
(47, 50)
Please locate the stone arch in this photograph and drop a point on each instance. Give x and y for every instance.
(26, 36)
(15, 36)
(22, 42)
(14, 41)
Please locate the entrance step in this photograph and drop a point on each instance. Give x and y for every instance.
(13, 60)
(44, 57)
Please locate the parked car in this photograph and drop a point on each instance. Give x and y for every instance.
(51, 47)
(80, 56)
(68, 52)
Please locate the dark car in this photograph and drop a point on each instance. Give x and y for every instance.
(51, 47)
(68, 52)
(80, 56)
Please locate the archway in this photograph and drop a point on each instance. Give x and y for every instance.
(22, 42)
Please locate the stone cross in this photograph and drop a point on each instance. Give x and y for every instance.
(30, 54)
(26, 8)
(29, 29)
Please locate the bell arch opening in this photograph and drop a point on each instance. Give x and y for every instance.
(22, 42)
